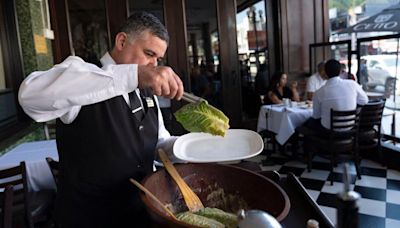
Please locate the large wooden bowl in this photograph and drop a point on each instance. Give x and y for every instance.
(242, 189)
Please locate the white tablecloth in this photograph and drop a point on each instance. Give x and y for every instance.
(282, 120)
(34, 154)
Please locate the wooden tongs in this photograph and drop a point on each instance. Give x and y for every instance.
(191, 199)
(145, 190)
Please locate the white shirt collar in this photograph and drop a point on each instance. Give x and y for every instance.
(320, 77)
(333, 80)
(107, 60)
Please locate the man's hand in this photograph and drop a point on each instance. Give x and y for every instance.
(162, 80)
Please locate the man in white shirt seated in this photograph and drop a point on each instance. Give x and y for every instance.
(316, 81)
(336, 94)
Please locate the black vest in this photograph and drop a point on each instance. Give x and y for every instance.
(98, 153)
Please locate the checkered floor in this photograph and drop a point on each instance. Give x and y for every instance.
(379, 188)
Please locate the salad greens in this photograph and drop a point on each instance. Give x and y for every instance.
(210, 218)
(202, 117)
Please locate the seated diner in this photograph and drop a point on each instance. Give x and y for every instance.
(278, 90)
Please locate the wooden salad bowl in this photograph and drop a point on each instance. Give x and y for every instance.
(226, 187)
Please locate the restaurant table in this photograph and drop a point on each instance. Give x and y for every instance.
(375, 95)
(282, 120)
(34, 154)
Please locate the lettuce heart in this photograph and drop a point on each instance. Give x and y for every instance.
(202, 117)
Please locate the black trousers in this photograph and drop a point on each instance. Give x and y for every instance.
(313, 127)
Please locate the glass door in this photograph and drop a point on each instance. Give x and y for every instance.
(252, 53)
(379, 64)
(203, 50)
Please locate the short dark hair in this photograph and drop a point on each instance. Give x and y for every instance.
(320, 64)
(139, 22)
(276, 77)
(332, 68)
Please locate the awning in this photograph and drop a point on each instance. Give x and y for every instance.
(388, 20)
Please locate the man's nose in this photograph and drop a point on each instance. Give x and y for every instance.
(153, 62)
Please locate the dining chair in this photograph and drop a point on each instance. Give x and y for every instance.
(341, 139)
(268, 135)
(370, 127)
(6, 206)
(29, 208)
(54, 168)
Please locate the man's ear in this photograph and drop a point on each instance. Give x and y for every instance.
(120, 40)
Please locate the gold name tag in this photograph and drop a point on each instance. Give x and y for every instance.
(150, 102)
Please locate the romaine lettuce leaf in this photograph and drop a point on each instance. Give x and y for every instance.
(202, 117)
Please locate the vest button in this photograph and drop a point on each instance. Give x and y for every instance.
(140, 127)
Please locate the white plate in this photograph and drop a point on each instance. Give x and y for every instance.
(202, 147)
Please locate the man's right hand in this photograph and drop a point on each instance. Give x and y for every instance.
(162, 80)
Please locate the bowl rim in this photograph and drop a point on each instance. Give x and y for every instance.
(148, 205)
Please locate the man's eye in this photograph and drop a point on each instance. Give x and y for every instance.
(150, 54)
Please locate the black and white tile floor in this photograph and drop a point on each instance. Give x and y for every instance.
(379, 188)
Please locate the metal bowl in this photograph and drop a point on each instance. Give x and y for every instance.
(223, 186)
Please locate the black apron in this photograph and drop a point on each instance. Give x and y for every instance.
(98, 152)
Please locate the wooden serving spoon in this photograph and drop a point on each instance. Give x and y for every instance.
(191, 199)
(141, 187)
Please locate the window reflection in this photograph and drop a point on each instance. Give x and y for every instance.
(203, 50)
(153, 7)
(88, 29)
(252, 51)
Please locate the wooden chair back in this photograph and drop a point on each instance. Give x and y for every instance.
(16, 176)
(7, 206)
(371, 115)
(345, 122)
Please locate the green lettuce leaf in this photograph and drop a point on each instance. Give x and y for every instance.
(202, 117)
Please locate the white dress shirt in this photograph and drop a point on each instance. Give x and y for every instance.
(315, 82)
(61, 91)
(339, 95)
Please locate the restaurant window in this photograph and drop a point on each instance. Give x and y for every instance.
(341, 51)
(7, 104)
(252, 53)
(379, 74)
(88, 28)
(203, 50)
(347, 17)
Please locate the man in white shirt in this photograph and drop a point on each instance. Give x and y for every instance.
(316, 81)
(109, 124)
(337, 94)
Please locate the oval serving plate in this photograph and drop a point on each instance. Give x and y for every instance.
(203, 147)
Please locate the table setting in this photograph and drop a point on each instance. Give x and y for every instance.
(283, 119)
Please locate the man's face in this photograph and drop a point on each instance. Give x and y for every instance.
(322, 73)
(145, 49)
